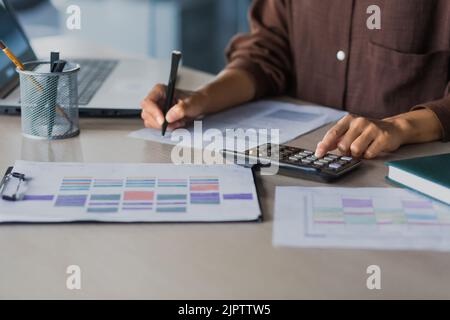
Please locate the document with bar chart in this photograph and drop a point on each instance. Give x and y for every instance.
(66, 192)
(374, 218)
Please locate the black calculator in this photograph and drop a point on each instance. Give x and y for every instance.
(296, 162)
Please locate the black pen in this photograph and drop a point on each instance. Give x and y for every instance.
(176, 57)
(54, 56)
(58, 66)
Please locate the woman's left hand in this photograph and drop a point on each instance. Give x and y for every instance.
(363, 138)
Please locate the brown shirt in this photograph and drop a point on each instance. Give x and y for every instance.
(322, 51)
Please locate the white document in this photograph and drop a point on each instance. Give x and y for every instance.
(367, 218)
(291, 120)
(66, 192)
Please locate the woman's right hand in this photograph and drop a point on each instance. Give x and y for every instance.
(187, 106)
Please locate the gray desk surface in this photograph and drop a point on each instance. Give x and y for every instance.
(193, 260)
(190, 261)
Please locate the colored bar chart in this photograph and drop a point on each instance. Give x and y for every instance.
(358, 211)
(172, 183)
(172, 195)
(419, 212)
(132, 193)
(140, 182)
(108, 183)
(336, 210)
(138, 200)
(171, 203)
(38, 198)
(205, 198)
(142, 194)
(328, 211)
(104, 203)
(75, 200)
(238, 196)
(204, 190)
(76, 184)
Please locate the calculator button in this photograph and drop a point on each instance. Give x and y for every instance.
(323, 161)
(319, 164)
(332, 156)
(312, 158)
(306, 161)
(335, 166)
(346, 159)
(329, 159)
(308, 152)
(295, 159)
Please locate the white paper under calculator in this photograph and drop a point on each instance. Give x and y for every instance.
(292, 120)
(66, 192)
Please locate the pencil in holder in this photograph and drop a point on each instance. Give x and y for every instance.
(49, 101)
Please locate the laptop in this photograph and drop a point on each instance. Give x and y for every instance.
(105, 87)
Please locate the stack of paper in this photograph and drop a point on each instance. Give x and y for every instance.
(375, 218)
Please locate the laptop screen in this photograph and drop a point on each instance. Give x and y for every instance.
(13, 36)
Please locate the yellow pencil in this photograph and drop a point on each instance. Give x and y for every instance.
(18, 64)
(11, 56)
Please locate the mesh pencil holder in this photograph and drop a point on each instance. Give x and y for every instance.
(49, 101)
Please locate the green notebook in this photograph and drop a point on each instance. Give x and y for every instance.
(427, 175)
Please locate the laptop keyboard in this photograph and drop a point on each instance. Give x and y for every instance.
(92, 75)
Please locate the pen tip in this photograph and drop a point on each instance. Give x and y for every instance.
(2, 45)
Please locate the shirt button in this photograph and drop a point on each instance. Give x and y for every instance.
(340, 55)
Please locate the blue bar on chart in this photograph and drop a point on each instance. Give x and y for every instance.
(238, 196)
(140, 182)
(76, 184)
(205, 198)
(75, 200)
(108, 183)
(38, 197)
(171, 203)
(104, 203)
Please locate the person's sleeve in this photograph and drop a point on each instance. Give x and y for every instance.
(441, 109)
(264, 52)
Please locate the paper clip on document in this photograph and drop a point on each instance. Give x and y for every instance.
(13, 186)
